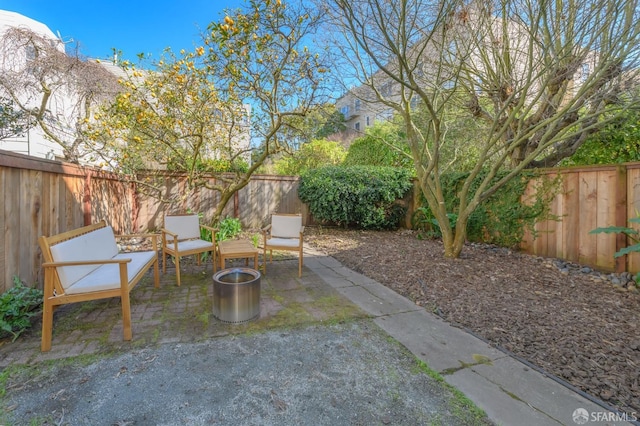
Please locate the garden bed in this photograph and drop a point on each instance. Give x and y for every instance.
(569, 321)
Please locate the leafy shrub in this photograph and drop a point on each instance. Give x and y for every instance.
(617, 142)
(362, 196)
(384, 144)
(17, 306)
(311, 155)
(228, 228)
(502, 219)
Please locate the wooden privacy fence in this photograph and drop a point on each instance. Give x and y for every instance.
(44, 197)
(588, 198)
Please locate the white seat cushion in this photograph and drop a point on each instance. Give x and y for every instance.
(107, 277)
(283, 242)
(192, 245)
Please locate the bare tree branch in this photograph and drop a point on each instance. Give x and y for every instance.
(535, 76)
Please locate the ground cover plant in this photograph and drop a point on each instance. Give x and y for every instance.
(17, 306)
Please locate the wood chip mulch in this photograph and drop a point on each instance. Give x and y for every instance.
(576, 326)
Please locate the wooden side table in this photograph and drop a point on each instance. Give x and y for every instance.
(237, 249)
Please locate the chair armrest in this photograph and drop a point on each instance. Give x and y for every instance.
(166, 241)
(265, 233)
(166, 231)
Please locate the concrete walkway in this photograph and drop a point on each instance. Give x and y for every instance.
(509, 391)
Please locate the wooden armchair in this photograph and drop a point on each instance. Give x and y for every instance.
(181, 237)
(85, 264)
(284, 233)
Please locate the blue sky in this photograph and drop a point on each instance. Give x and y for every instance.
(132, 26)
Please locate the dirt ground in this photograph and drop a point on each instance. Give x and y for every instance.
(572, 324)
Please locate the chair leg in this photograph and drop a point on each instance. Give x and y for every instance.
(47, 326)
(300, 262)
(156, 275)
(164, 262)
(264, 260)
(178, 269)
(126, 316)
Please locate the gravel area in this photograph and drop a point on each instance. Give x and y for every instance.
(343, 374)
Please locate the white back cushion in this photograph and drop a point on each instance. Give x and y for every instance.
(186, 226)
(286, 226)
(96, 245)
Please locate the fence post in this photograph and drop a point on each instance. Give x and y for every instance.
(86, 199)
(621, 215)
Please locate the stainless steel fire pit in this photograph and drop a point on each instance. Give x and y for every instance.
(236, 295)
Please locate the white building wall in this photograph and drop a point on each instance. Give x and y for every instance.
(33, 142)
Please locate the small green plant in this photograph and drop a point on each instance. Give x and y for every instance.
(255, 239)
(633, 234)
(228, 228)
(17, 306)
(426, 224)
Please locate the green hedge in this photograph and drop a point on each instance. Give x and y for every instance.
(361, 196)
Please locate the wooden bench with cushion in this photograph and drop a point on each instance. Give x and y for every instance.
(85, 264)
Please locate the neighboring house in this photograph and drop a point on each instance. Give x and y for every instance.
(33, 141)
(361, 109)
(361, 106)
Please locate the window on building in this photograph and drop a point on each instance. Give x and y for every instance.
(345, 111)
(357, 126)
(357, 105)
(368, 122)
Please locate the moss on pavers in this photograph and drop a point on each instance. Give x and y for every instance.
(184, 314)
